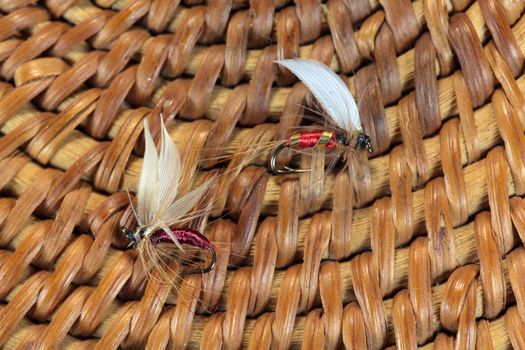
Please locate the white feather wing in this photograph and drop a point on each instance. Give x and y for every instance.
(170, 171)
(179, 209)
(329, 89)
(149, 184)
(157, 206)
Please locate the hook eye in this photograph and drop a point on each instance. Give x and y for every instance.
(132, 241)
(285, 169)
(364, 141)
(124, 231)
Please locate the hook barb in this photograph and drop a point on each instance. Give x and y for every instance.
(285, 169)
(209, 268)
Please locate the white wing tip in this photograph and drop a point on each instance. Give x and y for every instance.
(329, 89)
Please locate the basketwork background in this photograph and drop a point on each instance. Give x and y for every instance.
(424, 250)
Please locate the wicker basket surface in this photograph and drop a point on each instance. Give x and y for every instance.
(420, 247)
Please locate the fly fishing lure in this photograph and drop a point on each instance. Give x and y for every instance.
(160, 212)
(336, 100)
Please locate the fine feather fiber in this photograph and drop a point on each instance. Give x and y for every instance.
(170, 170)
(177, 211)
(329, 90)
(149, 183)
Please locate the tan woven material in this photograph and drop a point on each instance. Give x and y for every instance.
(421, 247)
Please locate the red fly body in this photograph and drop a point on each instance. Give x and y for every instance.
(309, 139)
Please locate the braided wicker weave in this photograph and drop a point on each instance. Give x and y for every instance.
(425, 251)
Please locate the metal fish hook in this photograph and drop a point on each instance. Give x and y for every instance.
(285, 169)
(184, 235)
(210, 267)
(196, 239)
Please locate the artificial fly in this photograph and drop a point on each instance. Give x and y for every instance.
(160, 211)
(336, 100)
